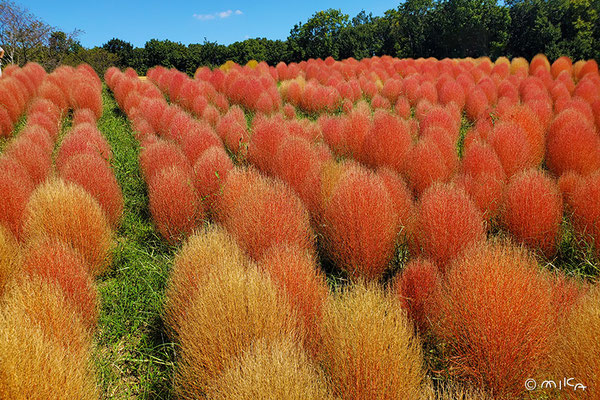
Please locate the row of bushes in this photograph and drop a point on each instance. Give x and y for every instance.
(59, 237)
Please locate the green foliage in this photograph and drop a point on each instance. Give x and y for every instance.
(122, 49)
(96, 57)
(319, 36)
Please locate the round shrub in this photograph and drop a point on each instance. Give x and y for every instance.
(45, 347)
(360, 223)
(208, 250)
(261, 212)
(369, 347)
(447, 222)
(280, 371)
(226, 315)
(415, 287)
(496, 316)
(94, 174)
(210, 172)
(58, 263)
(532, 210)
(15, 188)
(174, 203)
(67, 212)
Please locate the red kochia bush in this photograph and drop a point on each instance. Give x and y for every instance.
(524, 117)
(572, 145)
(295, 271)
(496, 316)
(476, 104)
(442, 117)
(416, 286)
(34, 158)
(15, 188)
(196, 140)
(261, 212)
(360, 223)
(233, 130)
(38, 135)
(532, 210)
(9, 102)
(162, 154)
(357, 124)
(387, 142)
(6, 124)
(266, 138)
(510, 143)
(483, 178)
(174, 203)
(584, 202)
(53, 93)
(86, 95)
(94, 174)
(84, 115)
(426, 164)
(447, 222)
(84, 138)
(452, 92)
(210, 172)
(49, 123)
(402, 199)
(297, 163)
(59, 263)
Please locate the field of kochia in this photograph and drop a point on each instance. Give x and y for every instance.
(376, 229)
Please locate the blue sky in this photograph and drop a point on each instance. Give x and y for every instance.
(187, 22)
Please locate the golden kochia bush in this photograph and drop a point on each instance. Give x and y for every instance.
(67, 212)
(9, 256)
(225, 316)
(577, 353)
(210, 250)
(280, 370)
(44, 345)
(453, 391)
(497, 315)
(369, 347)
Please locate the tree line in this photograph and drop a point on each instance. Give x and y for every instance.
(416, 28)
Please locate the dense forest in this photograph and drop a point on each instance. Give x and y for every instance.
(416, 28)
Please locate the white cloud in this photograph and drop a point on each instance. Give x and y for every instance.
(220, 14)
(204, 17)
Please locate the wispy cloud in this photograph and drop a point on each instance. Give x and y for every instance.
(220, 15)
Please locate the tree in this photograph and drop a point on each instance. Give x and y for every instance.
(98, 58)
(319, 36)
(122, 49)
(361, 38)
(410, 29)
(166, 53)
(60, 45)
(21, 32)
(471, 28)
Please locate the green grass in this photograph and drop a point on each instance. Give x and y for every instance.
(134, 357)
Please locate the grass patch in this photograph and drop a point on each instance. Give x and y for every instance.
(134, 357)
